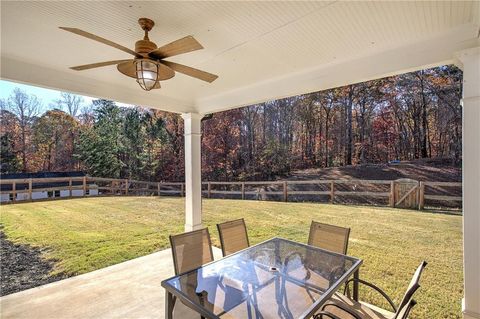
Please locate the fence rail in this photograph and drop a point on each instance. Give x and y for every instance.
(400, 193)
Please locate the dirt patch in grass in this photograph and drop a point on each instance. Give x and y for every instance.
(431, 169)
(22, 267)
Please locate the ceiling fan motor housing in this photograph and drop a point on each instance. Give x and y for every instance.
(144, 46)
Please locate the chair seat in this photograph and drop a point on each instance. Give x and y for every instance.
(364, 310)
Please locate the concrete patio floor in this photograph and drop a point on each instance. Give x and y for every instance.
(131, 289)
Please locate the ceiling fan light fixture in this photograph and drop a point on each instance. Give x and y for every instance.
(147, 73)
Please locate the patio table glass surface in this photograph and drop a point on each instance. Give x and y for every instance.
(277, 278)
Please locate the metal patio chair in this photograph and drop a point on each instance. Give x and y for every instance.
(191, 250)
(233, 236)
(329, 237)
(343, 307)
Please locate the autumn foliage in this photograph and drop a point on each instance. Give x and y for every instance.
(410, 116)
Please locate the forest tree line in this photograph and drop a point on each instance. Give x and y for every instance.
(404, 117)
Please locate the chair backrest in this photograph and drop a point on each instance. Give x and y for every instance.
(405, 311)
(233, 236)
(412, 288)
(329, 237)
(191, 250)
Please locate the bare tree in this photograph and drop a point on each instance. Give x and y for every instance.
(26, 108)
(328, 99)
(347, 101)
(250, 116)
(70, 103)
(3, 104)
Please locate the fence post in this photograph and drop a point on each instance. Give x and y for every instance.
(126, 186)
(243, 190)
(392, 194)
(70, 187)
(14, 191)
(30, 196)
(84, 186)
(332, 192)
(158, 189)
(209, 189)
(285, 191)
(421, 200)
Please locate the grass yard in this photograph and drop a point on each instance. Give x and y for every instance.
(82, 235)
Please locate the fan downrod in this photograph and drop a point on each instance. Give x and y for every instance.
(144, 46)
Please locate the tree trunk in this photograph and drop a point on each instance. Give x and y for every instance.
(24, 150)
(349, 137)
(424, 138)
(326, 139)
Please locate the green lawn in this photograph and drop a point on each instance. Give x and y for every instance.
(87, 234)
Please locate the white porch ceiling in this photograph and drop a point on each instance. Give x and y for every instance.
(260, 50)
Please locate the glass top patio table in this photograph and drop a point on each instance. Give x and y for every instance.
(277, 278)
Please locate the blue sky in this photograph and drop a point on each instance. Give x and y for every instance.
(47, 96)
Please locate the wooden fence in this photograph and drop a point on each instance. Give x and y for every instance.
(399, 193)
(16, 190)
(444, 196)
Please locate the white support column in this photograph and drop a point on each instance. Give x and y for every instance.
(193, 171)
(469, 62)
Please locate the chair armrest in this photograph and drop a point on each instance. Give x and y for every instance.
(339, 306)
(366, 283)
(322, 314)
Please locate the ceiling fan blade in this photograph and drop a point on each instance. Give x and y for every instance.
(100, 39)
(199, 74)
(97, 65)
(183, 45)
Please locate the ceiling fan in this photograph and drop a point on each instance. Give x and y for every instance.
(148, 66)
